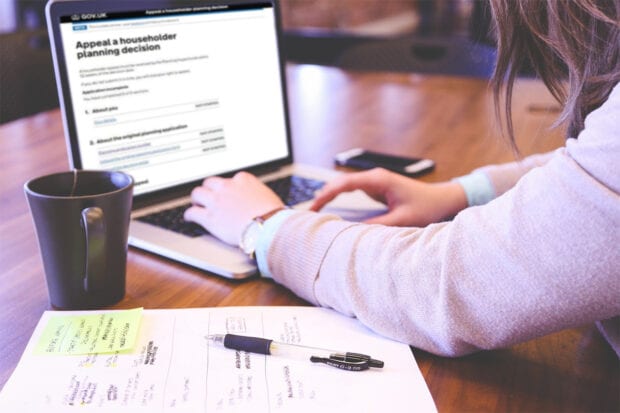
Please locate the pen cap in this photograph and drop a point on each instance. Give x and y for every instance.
(371, 362)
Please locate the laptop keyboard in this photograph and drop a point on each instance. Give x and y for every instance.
(172, 219)
(292, 190)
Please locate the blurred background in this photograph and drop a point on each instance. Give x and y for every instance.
(423, 36)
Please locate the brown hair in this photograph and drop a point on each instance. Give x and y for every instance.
(572, 45)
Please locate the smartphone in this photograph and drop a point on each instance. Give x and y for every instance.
(363, 159)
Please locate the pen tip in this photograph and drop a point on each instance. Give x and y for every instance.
(215, 338)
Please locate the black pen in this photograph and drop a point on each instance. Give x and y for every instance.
(342, 360)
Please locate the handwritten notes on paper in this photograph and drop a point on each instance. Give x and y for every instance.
(90, 333)
(172, 366)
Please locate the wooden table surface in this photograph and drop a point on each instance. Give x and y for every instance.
(450, 120)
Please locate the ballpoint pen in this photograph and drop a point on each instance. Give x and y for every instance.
(342, 360)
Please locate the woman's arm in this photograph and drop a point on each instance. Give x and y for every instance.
(502, 177)
(542, 257)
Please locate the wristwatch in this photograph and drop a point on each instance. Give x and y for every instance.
(251, 233)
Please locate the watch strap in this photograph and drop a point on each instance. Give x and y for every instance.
(267, 215)
(249, 247)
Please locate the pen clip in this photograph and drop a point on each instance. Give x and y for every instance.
(348, 361)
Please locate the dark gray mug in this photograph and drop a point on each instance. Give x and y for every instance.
(82, 223)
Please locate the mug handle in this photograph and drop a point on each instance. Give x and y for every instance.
(94, 271)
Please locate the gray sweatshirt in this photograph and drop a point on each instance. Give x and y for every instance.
(544, 255)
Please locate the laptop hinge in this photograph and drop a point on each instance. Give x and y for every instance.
(264, 170)
(169, 194)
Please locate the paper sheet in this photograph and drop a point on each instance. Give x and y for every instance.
(174, 368)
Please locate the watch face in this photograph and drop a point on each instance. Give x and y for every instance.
(249, 238)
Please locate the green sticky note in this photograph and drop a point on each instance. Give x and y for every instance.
(88, 333)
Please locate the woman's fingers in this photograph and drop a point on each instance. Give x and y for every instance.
(197, 214)
(374, 182)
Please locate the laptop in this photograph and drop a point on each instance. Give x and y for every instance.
(172, 92)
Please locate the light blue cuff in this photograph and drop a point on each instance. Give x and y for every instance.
(478, 188)
(270, 227)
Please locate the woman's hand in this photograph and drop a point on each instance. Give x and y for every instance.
(224, 207)
(410, 202)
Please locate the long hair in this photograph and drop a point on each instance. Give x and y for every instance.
(572, 45)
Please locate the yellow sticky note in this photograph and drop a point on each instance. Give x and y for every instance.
(88, 333)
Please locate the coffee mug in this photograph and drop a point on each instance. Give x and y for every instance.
(82, 223)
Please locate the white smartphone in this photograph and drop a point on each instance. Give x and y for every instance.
(364, 159)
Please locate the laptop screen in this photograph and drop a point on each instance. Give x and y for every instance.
(173, 95)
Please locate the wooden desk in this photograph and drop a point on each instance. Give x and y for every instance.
(450, 120)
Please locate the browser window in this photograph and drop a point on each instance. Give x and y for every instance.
(173, 95)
